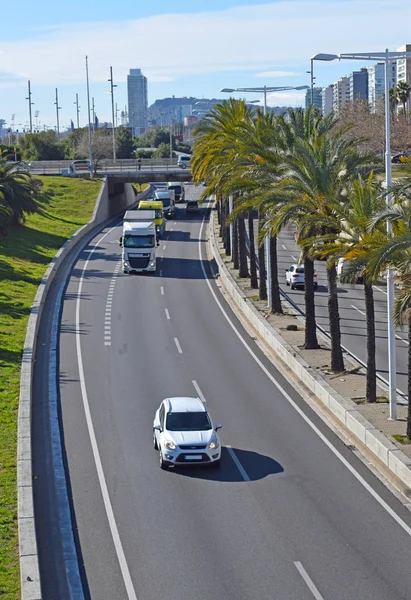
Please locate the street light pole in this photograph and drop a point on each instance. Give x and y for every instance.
(112, 86)
(386, 57)
(57, 113)
(30, 105)
(77, 112)
(90, 145)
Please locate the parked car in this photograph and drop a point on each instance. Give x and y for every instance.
(184, 434)
(192, 206)
(295, 277)
(402, 157)
(183, 161)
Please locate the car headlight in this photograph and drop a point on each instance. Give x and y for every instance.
(213, 444)
(169, 444)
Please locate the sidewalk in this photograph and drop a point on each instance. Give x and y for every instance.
(342, 394)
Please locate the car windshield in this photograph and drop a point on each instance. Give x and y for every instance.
(139, 241)
(188, 421)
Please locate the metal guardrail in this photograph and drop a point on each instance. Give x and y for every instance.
(47, 167)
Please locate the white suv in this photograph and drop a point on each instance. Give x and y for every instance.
(183, 161)
(183, 433)
(295, 277)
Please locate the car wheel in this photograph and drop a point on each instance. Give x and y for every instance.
(155, 441)
(286, 282)
(315, 286)
(163, 463)
(292, 286)
(216, 464)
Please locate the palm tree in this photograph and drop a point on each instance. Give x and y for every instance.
(319, 171)
(19, 193)
(354, 244)
(403, 91)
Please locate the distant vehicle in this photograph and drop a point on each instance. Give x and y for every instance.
(178, 190)
(167, 198)
(295, 277)
(157, 206)
(24, 167)
(342, 266)
(184, 434)
(79, 166)
(183, 161)
(192, 206)
(139, 241)
(402, 157)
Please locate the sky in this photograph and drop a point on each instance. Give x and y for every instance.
(183, 48)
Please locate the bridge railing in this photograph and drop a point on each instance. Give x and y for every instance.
(47, 167)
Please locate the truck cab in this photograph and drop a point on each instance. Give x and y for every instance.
(167, 198)
(157, 207)
(139, 241)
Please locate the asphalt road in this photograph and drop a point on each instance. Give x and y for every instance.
(291, 515)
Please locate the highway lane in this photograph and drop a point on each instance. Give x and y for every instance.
(292, 523)
(352, 313)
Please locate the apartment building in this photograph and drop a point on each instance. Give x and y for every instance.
(327, 98)
(341, 93)
(358, 81)
(137, 101)
(376, 83)
(316, 100)
(404, 66)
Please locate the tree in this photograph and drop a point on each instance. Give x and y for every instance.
(101, 143)
(19, 194)
(403, 91)
(124, 143)
(163, 151)
(42, 146)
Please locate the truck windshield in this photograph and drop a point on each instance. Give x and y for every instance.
(166, 202)
(139, 241)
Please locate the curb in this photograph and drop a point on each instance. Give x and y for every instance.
(28, 554)
(344, 410)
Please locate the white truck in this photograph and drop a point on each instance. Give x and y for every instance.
(139, 241)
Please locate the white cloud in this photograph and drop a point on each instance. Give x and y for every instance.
(265, 37)
(290, 98)
(268, 74)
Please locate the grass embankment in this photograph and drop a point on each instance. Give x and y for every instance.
(24, 256)
(401, 170)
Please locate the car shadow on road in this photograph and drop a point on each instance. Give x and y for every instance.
(254, 466)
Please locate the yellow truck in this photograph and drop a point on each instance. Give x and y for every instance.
(157, 206)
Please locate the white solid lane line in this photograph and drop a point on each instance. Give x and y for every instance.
(308, 581)
(360, 311)
(305, 417)
(199, 392)
(167, 314)
(380, 290)
(237, 463)
(178, 345)
(162, 290)
(131, 594)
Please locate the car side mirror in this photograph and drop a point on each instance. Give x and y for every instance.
(120, 242)
(158, 428)
(158, 243)
(286, 270)
(218, 426)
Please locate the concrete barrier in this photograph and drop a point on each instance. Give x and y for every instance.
(105, 209)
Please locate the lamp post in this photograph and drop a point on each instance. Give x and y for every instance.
(90, 144)
(112, 86)
(387, 58)
(30, 105)
(264, 90)
(77, 111)
(311, 72)
(57, 114)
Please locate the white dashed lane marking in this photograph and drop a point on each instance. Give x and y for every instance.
(162, 290)
(177, 343)
(167, 314)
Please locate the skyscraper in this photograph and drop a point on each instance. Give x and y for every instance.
(137, 101)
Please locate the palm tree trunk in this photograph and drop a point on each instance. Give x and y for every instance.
(310, 342)
(409, 380)
(242, 246)
(219, 212)
(235, 253)
(227, 239)
(253, 266)
(371, 388)
(263, 274)
(337, 361)
(275, 288)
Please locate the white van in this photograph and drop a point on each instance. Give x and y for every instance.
(183, 161)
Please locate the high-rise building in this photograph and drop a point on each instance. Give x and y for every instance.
(316, 98)
(327, 97)
(404, 65)
(376, 83)
(359, 85)
(341, 93)
(137, 101)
